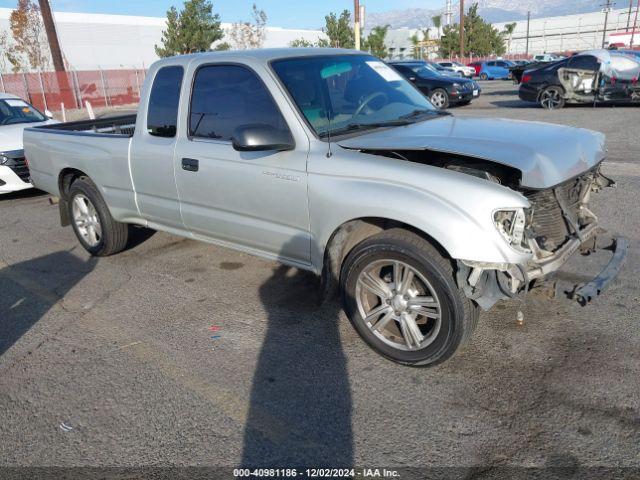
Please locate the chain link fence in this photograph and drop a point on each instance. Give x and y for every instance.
(56, 91)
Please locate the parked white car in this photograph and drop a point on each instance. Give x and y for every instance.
(15, 116)
(458, 67)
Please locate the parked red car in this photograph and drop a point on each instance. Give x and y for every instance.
(477, 66)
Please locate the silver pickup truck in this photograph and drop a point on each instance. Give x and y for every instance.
(329, 161)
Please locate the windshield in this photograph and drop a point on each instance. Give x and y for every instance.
(14, 110)
(342, 93)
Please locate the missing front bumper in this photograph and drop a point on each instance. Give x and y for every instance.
(488, 283)
(584, 293)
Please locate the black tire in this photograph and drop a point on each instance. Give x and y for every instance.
(463, 103)
(459, 315)
(114, 235)
(555, 91)
(484, 76)
(439, 93)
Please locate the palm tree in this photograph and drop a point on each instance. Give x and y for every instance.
(508, 31)
(437, 22)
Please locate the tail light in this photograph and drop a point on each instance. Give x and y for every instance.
(526, 78)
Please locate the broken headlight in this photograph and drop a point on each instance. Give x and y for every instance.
(511, 224)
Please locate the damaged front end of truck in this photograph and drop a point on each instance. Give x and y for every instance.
(558, 224)
(557, 169)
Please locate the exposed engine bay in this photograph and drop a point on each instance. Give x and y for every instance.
(557, 224)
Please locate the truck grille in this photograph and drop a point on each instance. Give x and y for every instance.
(548, 223)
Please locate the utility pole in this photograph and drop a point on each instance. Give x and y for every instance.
(528, 22)
(356, 22)
(629, 15)
(606, 9)
(52, 35)
(461, 28)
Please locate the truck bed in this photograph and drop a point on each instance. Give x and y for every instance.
(121, 125)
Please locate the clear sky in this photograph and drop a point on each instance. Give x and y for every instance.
(281, 13)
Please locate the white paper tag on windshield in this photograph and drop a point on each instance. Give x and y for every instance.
(14, 102)
(385, 71)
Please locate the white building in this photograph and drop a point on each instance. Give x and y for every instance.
(92, 41)
(567, 33)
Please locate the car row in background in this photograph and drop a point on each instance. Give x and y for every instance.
(443, 91)
(492, 69)
(463, 70)
(15, 116)
(597, 76)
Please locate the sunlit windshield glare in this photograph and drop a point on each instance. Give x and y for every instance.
(340, 93)
(18, 111)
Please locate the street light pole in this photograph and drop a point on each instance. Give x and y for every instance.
(356, 23)
(461, 29)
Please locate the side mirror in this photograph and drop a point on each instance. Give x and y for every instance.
(48, 114)
(261, 137)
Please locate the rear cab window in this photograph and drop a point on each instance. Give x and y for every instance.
(162, 112)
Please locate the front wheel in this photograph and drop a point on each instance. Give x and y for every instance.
(97, 231)
(552, 98)
(484, 76)
(400, 295)
(439, 98)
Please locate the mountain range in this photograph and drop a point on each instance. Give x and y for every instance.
(491, 10)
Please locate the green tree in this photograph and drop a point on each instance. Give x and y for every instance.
(374, 42)
(191, 30)
(339, 31)
(481, 38)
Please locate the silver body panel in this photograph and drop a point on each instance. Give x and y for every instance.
(287, 205)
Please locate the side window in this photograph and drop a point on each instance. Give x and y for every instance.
(501, 64)
(584, 62)
(491, 64)
(406, 71)
(162, 114)
(225, 97)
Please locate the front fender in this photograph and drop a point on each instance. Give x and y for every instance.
(453, 208)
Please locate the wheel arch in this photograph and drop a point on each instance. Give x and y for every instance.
(349, 234)
(65, 178)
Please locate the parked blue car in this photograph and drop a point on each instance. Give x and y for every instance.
(495, 69)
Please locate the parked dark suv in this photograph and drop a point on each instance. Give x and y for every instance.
(441, 90)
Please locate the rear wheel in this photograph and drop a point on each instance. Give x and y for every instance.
(97, 231)
(400, 295)
(484, 76)
(439, 98)
(552, 97)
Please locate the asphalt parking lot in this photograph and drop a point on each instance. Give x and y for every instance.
(111, 361)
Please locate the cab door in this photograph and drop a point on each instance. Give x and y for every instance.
(153, 148)
(253, 200)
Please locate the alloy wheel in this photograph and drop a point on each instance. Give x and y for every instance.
(86, 220)
(398, 304)
(551, 98)
(438, 99)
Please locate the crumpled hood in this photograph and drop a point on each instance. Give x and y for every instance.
(11, 135)
(546, 154)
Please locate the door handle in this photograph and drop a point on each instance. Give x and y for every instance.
(190, 164)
